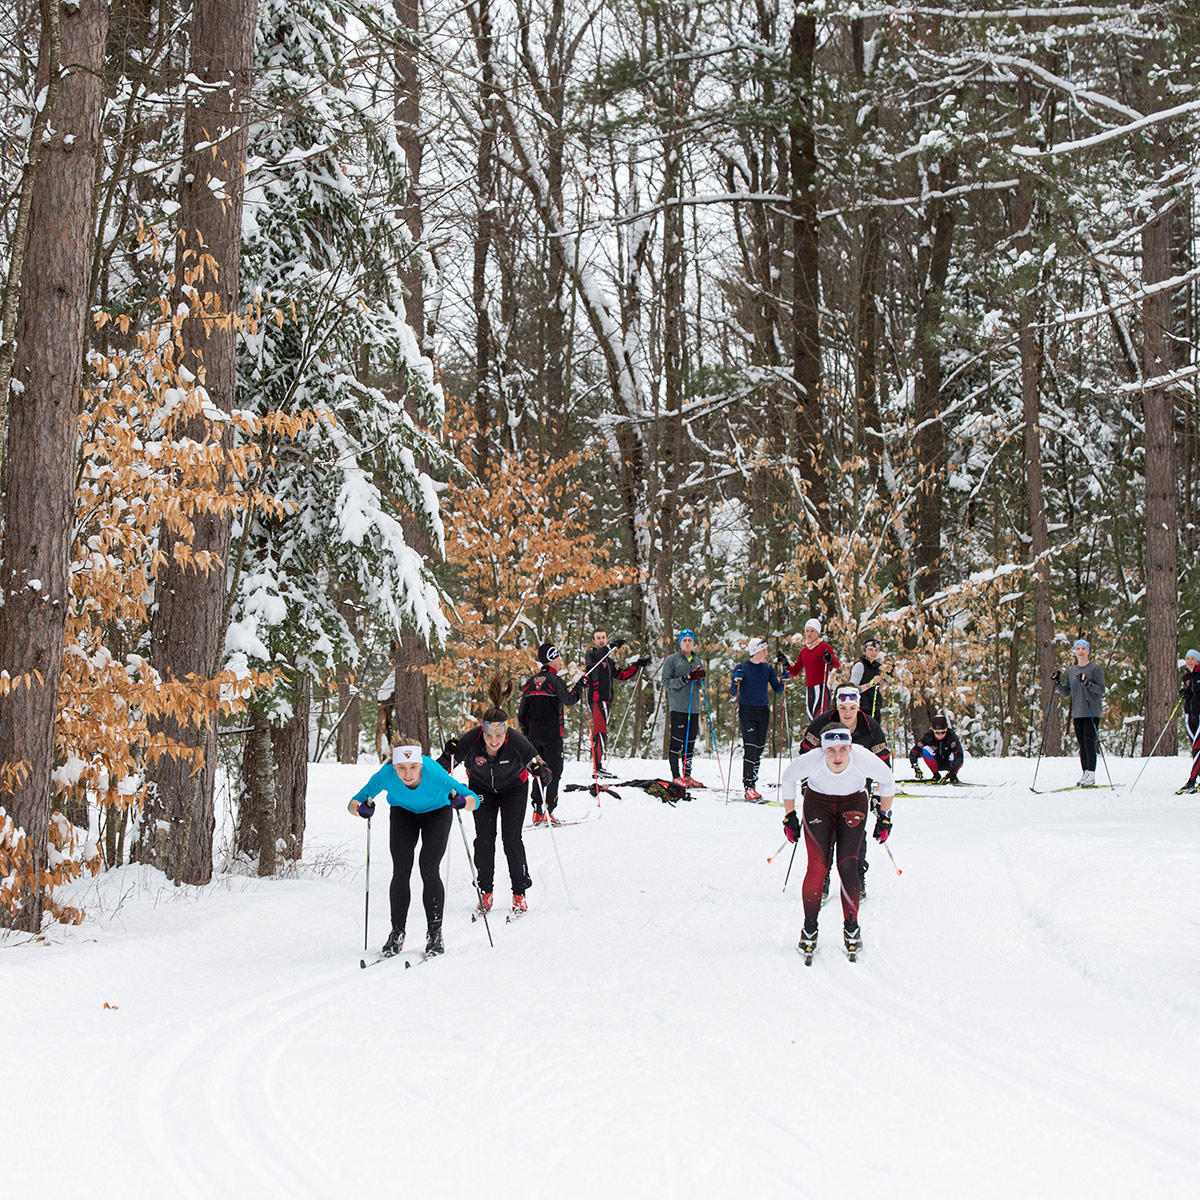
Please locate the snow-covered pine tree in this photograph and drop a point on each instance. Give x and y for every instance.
(323, 250)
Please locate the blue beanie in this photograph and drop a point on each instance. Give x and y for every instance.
(686, 633)
(1193, 654)
(1084, 643)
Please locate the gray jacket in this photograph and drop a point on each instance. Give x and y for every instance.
(682, 695)
(1085, 686)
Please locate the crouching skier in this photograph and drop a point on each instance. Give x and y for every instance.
(420, 794)
(836, 788)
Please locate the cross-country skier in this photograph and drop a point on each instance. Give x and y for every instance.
(834, 780)
(865, 731)
(1084, 684)
(871, 676)
(682, 676)
(499, 762)
(818, 661)
(600, 672)
(749, 685)
(420, 794)
(940, 750)
(540, 716)
(1190, 692)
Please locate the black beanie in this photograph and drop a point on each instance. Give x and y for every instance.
(546, 652)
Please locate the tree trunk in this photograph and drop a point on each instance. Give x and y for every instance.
(289, 748)
(187, 627)
(806, 277)
(42, 449)
(927, 394)
(1039, 537)
(1162, 516)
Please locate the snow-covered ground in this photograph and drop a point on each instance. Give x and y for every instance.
(1022, 1022)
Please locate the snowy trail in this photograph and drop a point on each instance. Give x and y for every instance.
(1022, 1020)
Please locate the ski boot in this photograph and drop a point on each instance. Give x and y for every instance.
(1188, 789)
(394, 944)
(852, 936)
(604, 774)
(519, 908)
(551, 819)
(539, 817)
(808, 945)
(753, 794)
(485, 904)
(433, 942)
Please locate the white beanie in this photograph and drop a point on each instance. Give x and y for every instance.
(754, 646)
(813, 623)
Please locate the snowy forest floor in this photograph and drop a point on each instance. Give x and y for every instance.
(1022, 1021)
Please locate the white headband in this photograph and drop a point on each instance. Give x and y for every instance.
(406, 754)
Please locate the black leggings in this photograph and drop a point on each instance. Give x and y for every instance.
(550, 747)
(684, 728)
(434, 830)
(755, 720)
(1087, 736)
(833, 822)
(509, 806)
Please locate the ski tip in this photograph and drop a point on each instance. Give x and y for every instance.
(407, 964)
(362, 962)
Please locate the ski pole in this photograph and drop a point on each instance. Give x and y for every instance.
(367, 898)
(1099, 744)
(782, 714)
(474, 877)
(772, 857)
(1170, 721)
(790, 861)
(892, 857)
(1045, 729)
(554, 843)
(737, 700)
(685, 756)
(711, 734)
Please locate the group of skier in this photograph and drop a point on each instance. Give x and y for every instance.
(844, 769)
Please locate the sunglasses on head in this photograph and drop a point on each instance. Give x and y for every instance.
(847, 697)
(494, 728)
(835, 737)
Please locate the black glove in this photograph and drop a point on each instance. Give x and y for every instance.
(644, 661)
(457, 801)
(618, 643)
(1056, 677)
(782, 660)
(791, 827)
(696, 675)
(1183, 693)
(883, 826)
(828, 657)
(450, 749)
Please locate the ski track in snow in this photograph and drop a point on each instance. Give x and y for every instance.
(1020, 1022)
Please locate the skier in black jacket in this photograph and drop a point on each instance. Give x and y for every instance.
(1190, 691)
(940, 750)
(600, 670)
(865, 672)
(499, 762)
(540, 716)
